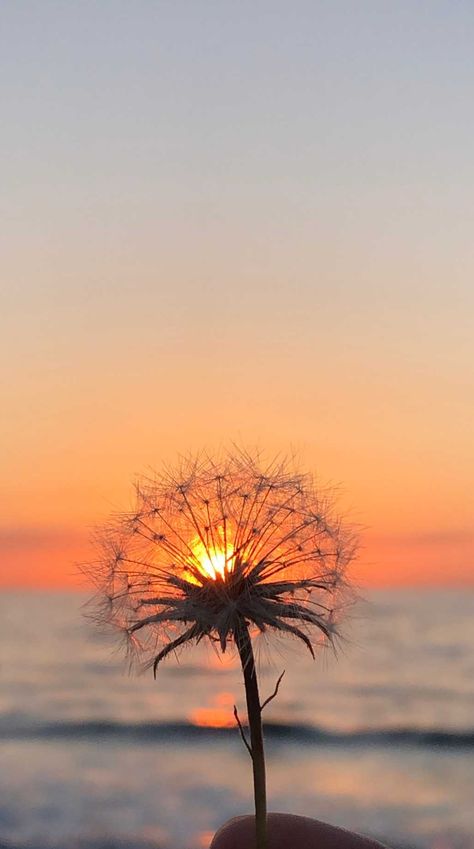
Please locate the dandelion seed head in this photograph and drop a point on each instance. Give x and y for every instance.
(217, 543)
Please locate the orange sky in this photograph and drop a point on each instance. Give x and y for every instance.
(47, 560)
(410, 536)
(394, 440)
(211, 238)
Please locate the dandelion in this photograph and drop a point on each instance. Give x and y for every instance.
(225, 549)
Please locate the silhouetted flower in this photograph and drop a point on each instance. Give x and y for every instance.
(219, 543)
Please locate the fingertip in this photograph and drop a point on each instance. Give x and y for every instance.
(290, 830)
(233, 832)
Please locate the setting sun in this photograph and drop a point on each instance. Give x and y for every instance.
(212, 560)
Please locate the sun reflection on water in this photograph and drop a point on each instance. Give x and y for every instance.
(218, 715)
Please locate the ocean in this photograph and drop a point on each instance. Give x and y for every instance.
(377, 737)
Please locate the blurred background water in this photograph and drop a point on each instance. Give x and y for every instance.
(379, 739)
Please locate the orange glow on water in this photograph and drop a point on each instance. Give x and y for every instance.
(212, 718)
(204, 839)
(218, 715)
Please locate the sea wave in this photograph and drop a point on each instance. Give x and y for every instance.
(157, 732)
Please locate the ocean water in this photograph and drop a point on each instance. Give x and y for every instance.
(379, 739)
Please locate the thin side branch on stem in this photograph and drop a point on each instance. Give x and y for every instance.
(242, 732)
(275, 692)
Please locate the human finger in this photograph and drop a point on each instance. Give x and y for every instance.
(289, 831)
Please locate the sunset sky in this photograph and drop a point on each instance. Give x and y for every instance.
(241, 221)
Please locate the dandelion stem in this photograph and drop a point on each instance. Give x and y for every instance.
(254, 712)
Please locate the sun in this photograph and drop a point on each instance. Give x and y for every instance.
(214, 560)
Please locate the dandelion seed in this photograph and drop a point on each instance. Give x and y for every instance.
(225, 549)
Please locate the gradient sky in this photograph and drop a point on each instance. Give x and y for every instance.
(241, 221)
